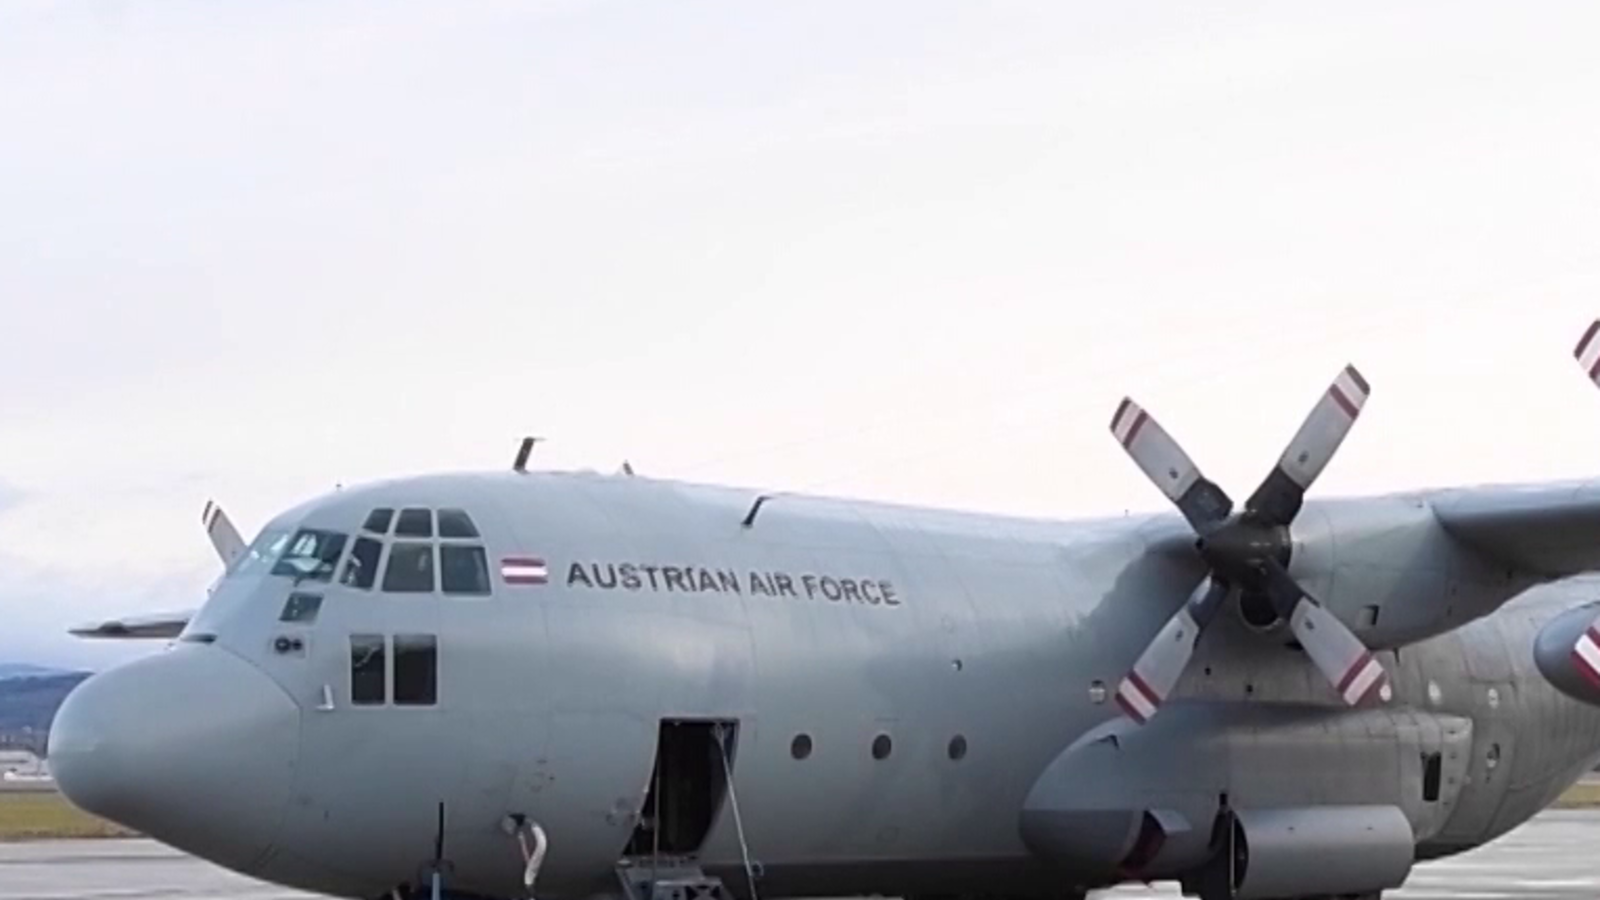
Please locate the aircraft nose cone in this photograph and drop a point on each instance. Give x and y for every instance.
(194, 747)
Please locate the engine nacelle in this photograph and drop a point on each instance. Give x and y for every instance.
(1319, 851)
(1557, 654)
(1154, 802)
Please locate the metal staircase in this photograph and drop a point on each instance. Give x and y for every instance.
(645, 879)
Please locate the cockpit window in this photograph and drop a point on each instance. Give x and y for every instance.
(361, 569)
(378, 521)
(455, 523)
(260, 554)
(311, 553)
(410, 568)
(463, 569)
(415, 523)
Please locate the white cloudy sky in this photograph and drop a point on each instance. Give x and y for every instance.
(906, 250)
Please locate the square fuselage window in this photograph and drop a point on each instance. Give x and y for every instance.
(416, 670)
(368, 670)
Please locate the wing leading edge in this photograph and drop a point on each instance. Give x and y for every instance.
(151, 625)
(1550, 531)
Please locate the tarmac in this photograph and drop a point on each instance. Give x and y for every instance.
(1554, 857)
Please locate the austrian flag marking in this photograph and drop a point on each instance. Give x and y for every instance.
(524, 570)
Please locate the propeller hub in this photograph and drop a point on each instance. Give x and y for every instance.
(1240, 548)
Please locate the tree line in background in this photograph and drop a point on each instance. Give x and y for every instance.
(27, 706)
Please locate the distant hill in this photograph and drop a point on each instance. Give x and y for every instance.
(28, 704)
(23, 670)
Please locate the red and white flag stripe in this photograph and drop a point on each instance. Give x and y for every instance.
(1350, 391)
(1586, 655)
(1588, 352)
(1364, 677)
(1136, 698)
(524, 570)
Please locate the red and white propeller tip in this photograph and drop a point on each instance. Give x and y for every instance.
(1325, 428)
(1586, 654)
(1588, 352)
(1156, 672)
(1154, 450)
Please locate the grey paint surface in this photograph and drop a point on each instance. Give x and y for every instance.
(1550, 858)
(998, 632)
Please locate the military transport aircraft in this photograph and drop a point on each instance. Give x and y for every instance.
(571, 685)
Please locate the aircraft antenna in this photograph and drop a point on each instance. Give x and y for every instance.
(523, 452)
(437, 876)
(750, 517)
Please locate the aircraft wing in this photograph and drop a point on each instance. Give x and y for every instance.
(1545, 530)
(147, 626)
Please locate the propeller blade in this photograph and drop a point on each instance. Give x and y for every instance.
(1279, 497)
(224, 537)
(1588, 352)
(1164, 462)
(1341, 657)
(1158, 668)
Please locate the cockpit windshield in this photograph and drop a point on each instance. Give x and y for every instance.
(261, 553)
(311, 554)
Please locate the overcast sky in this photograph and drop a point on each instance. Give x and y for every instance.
(912, 251)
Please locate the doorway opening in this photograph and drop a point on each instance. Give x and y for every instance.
(687, 787)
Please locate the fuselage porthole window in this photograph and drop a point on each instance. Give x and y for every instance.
(369, 676)
(416, 670)
(361, 568)
(311, 554)
(463, 569)
(378, 521)
(417, 523)
(410, 569)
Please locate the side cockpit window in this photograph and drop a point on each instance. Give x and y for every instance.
(311, 554)
(464, 569)
(410, 568)
(361, 569)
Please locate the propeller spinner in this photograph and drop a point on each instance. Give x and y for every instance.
(1248, 550)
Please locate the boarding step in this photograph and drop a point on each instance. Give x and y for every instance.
(647, 879)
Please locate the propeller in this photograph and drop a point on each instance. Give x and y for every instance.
(1248, 550)
(1585, 655)
(224, 537)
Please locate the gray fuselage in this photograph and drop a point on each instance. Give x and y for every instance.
(932, 664)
